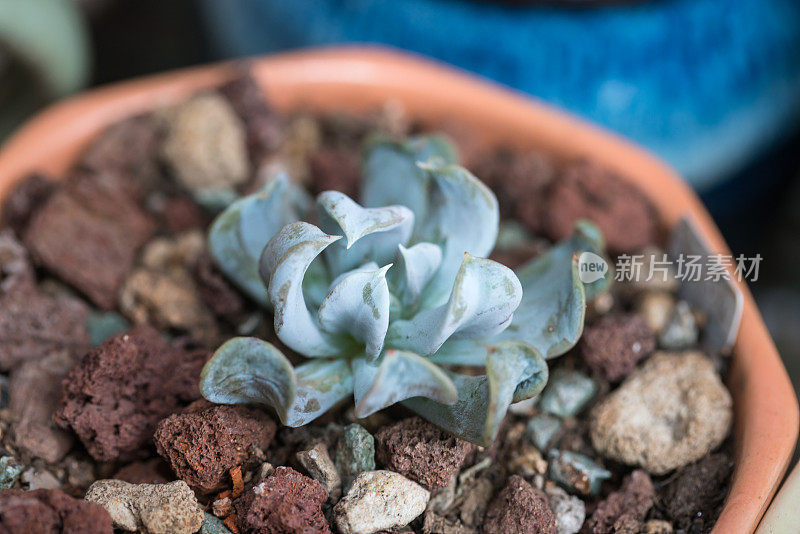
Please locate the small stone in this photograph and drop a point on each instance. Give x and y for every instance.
(319, 465)
(216, 292)
(152, 508)
(657, 526)
(519, 508)
(116, 395)
(570, 511)
(103, 325)
(541, 429)
(437, 524)
(443, 498)
(694, 496)
(80, 472)
(624, 510)
(10, 470)
(355, 453)
(472, 500)
(204, 442)
(656, 307)
(584, 190)
(576, 472)
(265, 470)
(33, 396)
(167, 300)
(222, 507)
(527, 462)
(615, 344)
(204, 144)
(567, 392)
(152, 471)
(52, 512)
(23, 200)
(34, 324)
(262, 126)
(379, 500)
(88, 234)
(34, 479)
(212, 525)
(668, 413)
(285, 502)
(681, 331)
(422, 452)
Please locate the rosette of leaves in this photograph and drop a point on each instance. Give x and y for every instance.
(385, 299)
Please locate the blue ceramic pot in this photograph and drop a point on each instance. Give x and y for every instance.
(707, 85)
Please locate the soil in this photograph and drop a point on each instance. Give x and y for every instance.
(69, 247)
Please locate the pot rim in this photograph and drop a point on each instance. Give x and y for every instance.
(362, 78)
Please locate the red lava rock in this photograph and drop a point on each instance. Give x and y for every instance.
(88, 234)
(50, 511)
(114, 398)
(336, 169)
(421, 452)
(695, 494)
(34, 325)
(519, 508)
(152, 471)
(262, 126)
(205, 441)
(285, 502)
(615, 344)
(129, 149)
(586, 191)
(216, 292)
(181, 214)
(521, 181)
(23, 199)
(625, 509)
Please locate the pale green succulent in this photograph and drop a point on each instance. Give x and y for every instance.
(385, 299)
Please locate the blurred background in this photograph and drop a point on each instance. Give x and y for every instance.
(712, 87)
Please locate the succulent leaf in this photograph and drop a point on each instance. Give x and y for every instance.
(239, 234)
(372, 234)
(515, 371)
(400, 375)
(321, 384)
(247, 370)
(416, 266)
(284, 262)
(481, 304)
(391, 175)
(551, 313)
(359, 305)
(462, 216)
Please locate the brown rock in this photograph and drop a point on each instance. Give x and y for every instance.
(421, 452)
(519, 508)
(181, 214)
(694, 497)
(33, 396)
(586, 191)
(624, 510)
(262, 127)
(285, 502)
(336, 169)
(23, 199)
(33, 324)
(216, 292)
(152, 471)
(50, 511)
(203, 443)
(615, 344)
(128, 149)
(88, 234)
(520, 181)
(114, 398)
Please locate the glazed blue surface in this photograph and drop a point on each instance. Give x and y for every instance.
(707, 85)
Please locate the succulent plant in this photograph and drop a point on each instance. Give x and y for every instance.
(386, 298)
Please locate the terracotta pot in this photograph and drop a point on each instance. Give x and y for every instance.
(358, 79)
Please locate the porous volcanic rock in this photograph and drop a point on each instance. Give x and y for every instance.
(615, 344)
(50, 512)
(519, 508)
